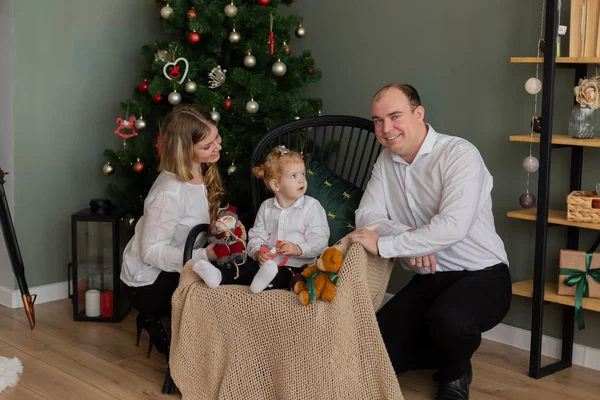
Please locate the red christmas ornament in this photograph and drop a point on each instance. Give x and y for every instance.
(194, 37)
(227, 104)
(157, 99)
(287, 48)
(263, 2)
(144, 86)
(311, 70)
(138, 166)
(191, 14)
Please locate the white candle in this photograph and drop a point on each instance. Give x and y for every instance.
(92, 303)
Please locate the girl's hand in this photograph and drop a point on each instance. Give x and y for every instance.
(289, 248)
(210, 252)
(261, 258)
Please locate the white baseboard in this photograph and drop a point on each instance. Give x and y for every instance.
(584, 356)
(45, 293)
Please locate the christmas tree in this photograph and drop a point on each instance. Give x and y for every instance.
(231, 56)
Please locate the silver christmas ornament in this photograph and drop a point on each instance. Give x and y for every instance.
(249, 61)
(531, 164)
(279, 68)
(300, 32)
(166, 12)
(161, 55)
(140, 124)
(231, 169)
(216, 77)
(234, 37)
(131, 222)
(527, 200)
(190, 87)
(533, 86)
(296, 118)
(215, 115)
(108, 169)
(252, 106)
(230, 10)
(174, 98)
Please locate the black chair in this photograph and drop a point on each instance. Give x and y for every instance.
(346, 144)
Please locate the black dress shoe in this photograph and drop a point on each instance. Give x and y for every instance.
(457, 389)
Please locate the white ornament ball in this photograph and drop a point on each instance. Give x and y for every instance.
(140, 124)
(190, 87)
(249, 61)
(531, 164)
(166, 12)
(215, 116)
(533, 85)
(300, 32)
(279, 68)
(231, 169)
(230, 10)
(252, 107)
(174, 98)
(234, 37)
(108, 169)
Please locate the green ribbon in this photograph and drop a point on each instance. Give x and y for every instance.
(310, 284)
(580, 278)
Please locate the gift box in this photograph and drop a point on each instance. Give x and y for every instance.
(580, 277)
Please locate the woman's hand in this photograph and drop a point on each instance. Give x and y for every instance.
(289, 248)
(261, 258)
(210, 252)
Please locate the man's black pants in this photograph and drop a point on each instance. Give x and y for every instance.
(436, 321)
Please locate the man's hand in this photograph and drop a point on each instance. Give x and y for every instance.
(427, 261)
(210, 252)
(367, 238)
(260, 258)
(289, 248)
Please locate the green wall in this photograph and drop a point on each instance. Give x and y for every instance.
(74, 61)
(456, 53)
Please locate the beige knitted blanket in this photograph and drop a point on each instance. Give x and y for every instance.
(228, 343)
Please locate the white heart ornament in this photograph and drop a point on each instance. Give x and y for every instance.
(174, 65)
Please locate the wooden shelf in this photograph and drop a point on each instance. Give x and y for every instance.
(525, 289)
(558, 217)
(559, 60)
(557, 139)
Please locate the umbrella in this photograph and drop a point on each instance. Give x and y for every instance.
(10, 237)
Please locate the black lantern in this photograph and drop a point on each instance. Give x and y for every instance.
(99, 236)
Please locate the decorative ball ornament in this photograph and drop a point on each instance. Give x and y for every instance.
(234, 37)
(527, 200)
(140, 124)
(194, 37)
(249, 60)
(227, 104)
(252, 106)
(231, 10)
(166, 12)
(174, 98)
(144, 86)
(231, 169)
(108, 169)
(191, 14)
(214, 115)
(533, 85)
(157, 99)
(311, 70)
(263, 2)
(190, 87)
(131, 222)
(287, 48)
(300, 31)
(297, 117)
(279, 68)
(138, 166)
(531, 164)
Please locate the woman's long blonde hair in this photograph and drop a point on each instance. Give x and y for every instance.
(182, 128)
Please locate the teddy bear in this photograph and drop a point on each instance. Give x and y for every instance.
(229, 237)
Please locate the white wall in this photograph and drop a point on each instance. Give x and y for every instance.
(7, 279)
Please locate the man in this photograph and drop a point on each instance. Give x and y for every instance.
(431, 195)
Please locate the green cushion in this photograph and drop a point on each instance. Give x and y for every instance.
(338, 197)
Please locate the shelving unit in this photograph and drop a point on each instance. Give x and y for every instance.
(538, 289)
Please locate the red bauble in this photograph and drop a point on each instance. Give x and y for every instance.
(311, 70)
(191, 14)
(227, 104)
(288, 49)
(194, 37)
(144, 86)
(138, 166)
(157, 99)
(263, 2)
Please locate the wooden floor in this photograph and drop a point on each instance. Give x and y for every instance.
(64, 359)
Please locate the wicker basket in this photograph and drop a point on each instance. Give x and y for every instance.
(583, 207)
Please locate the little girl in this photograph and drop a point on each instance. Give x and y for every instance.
(291, 224)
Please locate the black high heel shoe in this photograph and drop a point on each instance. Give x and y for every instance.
(154, 326)
(142, 322)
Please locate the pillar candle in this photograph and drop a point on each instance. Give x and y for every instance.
(92, 303)
(107, 303)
